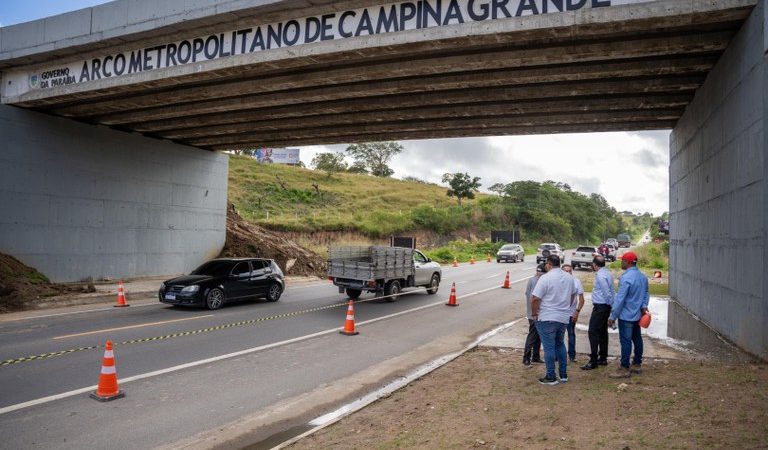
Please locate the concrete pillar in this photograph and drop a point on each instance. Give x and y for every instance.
(80, 200)
(719, 198)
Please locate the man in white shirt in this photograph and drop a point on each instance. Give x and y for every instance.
(551, 309)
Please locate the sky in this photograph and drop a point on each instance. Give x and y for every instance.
(629, 169)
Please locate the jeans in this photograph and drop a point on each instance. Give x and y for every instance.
(629, 335)
(571, 339)
(532, 343)
(598, 332)
(552, 336)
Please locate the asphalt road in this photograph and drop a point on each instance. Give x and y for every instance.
(237, 375)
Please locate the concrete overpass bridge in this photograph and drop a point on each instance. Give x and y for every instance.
(110, 114)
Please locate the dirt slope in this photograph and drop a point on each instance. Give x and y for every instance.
(21, 285)
(248, 239)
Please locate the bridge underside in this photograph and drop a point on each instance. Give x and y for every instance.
(600, 73)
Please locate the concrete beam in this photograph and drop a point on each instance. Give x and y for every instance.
(500, 131)
(664, 46)
(338, 111)
(660, 103)
(505, 93)
(603, 60)
(437, 125)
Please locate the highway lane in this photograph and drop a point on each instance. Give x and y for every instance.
(35, 379)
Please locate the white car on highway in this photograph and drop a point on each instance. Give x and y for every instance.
(583, 256)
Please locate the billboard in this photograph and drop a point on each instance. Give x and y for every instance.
(277, 155)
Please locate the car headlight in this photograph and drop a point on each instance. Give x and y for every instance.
(190, 289)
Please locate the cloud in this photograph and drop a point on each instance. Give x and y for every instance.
(650, 159)
(599, 163)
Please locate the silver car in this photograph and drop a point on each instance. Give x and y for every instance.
(510, 253)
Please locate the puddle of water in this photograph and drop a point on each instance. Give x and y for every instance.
(659, 308)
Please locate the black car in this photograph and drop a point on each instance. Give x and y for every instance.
(221, 280)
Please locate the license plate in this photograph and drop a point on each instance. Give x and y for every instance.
(170, 296)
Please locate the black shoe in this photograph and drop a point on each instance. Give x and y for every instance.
(602, 362)
(548, 381)
(538, 360)
(526, 363)
(564, 379)
(589, 366)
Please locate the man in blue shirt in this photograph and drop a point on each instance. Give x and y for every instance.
(602, 299)
(630, 303)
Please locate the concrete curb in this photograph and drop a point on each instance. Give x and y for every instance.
(329, 419)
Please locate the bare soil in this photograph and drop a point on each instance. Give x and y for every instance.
(21, 286)
(488, 399)
(247, 239)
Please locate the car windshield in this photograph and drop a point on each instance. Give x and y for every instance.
(508, 247)
(213, 269)
(547, 246)
(585, 249)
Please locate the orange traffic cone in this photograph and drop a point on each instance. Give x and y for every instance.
(489, 257)
(349, 325)
(107, 389)
(121, 295)
(455, 262)
(472, 260)
(506, 281)
(452, 298)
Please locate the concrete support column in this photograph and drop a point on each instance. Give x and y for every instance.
(79, 200)
(719, 198)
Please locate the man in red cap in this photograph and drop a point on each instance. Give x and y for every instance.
(630, 303)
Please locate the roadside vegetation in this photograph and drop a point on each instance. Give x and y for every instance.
(297, 199)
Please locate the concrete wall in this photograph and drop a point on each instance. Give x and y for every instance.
(718, 197)
(79, 200)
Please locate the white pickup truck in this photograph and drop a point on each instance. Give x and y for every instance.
(380, 269)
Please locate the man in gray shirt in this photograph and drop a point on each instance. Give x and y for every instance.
(551, 309)
(532, 342)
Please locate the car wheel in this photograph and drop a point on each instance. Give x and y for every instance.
(274, 292)
(214, 299)
(354, 293)
(434, 284)
(498, 261)
(392, 288)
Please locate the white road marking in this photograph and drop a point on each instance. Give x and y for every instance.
(133, 306)
(141, 325)
(201, 362)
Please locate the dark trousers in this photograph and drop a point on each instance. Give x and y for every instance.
(532, 343)
(598, 332)
(571, 339)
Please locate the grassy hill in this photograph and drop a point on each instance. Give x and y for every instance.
(285, 198)
(296, 199)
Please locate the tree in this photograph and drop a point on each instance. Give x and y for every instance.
(499, 188)
(462, 185)
(357, 167)
(329, 162)
(375, 156)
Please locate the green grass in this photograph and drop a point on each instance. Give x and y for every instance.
(650, 257)
(296, 199)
